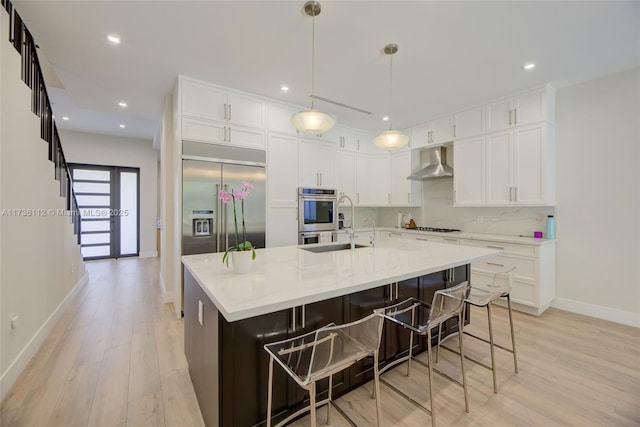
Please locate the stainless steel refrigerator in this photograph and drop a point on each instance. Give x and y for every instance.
(207, 223)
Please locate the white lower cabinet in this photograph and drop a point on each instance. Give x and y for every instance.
(534, 277)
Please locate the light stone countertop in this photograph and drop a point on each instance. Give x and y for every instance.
(287, 277)
(464, 235)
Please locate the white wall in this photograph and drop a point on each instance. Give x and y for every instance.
(598, 190)
(168, 242)
(40, 262)
(107, 150)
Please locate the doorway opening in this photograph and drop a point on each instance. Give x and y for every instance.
(109, 204)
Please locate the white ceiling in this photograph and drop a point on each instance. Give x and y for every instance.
(451, 54)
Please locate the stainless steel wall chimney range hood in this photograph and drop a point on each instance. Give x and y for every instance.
(437, 167)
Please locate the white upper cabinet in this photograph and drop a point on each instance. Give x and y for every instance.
(468, 123)
(245, 110)
(220, 116)
(526, 108)
(347, 175)
(440, 130)
(282, 170)
(280, 118)
(510, 167)
(318, 164)
(373, 180)
(420, 136)
(468, 171)
(404, 192)
(499, 162)
(347, 138)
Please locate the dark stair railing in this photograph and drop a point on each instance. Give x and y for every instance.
(22, 41)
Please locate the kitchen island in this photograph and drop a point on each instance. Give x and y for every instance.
(290, 291)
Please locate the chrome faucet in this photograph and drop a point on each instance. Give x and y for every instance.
(351, 230)
(372, 239)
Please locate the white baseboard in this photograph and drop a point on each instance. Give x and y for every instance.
(598, 311)
(167, 297)
(10, 376)
(148, 254)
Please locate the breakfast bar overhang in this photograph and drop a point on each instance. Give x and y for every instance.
(290, 290)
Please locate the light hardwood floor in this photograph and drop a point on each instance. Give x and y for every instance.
(115, 359)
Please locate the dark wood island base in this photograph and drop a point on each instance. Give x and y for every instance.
(229, 367)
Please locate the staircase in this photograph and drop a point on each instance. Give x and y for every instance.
(22, 41)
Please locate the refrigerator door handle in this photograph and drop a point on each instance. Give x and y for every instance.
(226, 222)
(217, 219)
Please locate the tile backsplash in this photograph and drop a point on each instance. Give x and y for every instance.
(437, 211)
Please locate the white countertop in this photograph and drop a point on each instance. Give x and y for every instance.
(287, 277)
(472, 236)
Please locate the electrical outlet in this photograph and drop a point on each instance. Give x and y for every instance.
(14, 321)
(480, 219)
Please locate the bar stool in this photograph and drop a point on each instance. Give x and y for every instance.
(483, 296)
(421, 318)
(320, 354)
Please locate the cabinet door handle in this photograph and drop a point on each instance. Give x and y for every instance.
(495, 263)
(510, 117)
(397, 293)
(515, 116)
(293, 319)
(408, 197)
(357, 197)
(390, 292)
(515, 195)
(454, 131)
(304, 315)
(450, 240)
(421, 238)
(229, 133)
(358, 145)
(225, 112)
(396, 234)
(320, 178)
(389, 198)
(495, 247)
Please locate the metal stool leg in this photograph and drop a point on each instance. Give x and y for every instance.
(312, 398)
(464, 376)
(513, 337)
(269, 396)
(329, 403)
(429, 359)
(493, 359)
(413, 319)
(376, 387)
(438, 345)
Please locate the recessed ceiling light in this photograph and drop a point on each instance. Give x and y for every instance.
(122, 104)
(284, 88)
(65, 117)
(113, 39)
(529, 66)
(385, 118)
(122, 126)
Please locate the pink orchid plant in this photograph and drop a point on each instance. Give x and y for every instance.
(226, 198)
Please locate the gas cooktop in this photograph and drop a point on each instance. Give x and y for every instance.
(437, 230)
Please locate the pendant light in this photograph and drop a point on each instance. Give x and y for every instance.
(312, 121)
(391, 139)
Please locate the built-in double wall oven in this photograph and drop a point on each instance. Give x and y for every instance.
(318, 215)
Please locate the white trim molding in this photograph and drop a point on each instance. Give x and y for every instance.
(600, 312)
(18, 365)
(148, 254)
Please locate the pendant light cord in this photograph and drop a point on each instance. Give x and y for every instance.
(391, 92)
(313, 55)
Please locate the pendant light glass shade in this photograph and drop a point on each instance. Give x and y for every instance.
(391, 139)
(312, 121)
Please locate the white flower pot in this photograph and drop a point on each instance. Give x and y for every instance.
(241, 261)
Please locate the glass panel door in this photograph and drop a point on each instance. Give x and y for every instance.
(108, 201)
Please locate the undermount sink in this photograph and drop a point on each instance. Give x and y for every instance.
(331, 248)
